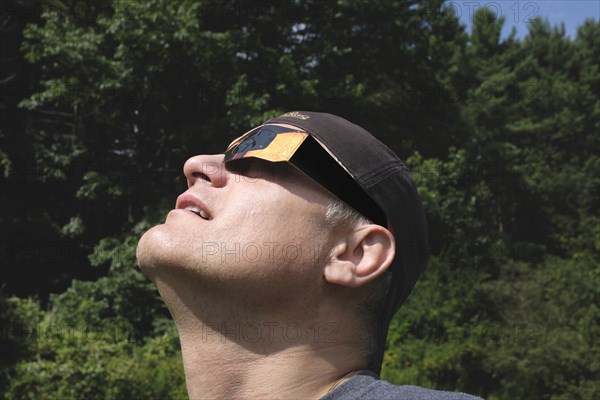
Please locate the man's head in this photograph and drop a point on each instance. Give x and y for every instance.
(304, 217)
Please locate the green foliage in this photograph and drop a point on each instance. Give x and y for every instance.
(496, 313)
(5, 162)
(457, 197)
(19, 319)
(549, 317)
(123, 298)
(75, 363)
(501, 137)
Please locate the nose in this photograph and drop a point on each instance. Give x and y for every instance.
(205, 168)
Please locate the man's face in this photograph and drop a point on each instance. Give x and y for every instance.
(249, 229)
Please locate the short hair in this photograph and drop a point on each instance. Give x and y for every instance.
(341, 214)
(370, 309)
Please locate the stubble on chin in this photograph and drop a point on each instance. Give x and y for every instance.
(154, 251)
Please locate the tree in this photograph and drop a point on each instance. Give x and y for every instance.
(501, 136)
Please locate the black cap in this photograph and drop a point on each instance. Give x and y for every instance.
(381, 174)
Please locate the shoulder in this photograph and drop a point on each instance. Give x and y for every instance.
(367, 385)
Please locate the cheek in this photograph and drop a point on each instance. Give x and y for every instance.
(275, 227)
(254, 214)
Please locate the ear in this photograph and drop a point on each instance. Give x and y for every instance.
(361, 256)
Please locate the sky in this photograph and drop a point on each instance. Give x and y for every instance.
(518, 12)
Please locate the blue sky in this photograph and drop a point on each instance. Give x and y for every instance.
(517, 12)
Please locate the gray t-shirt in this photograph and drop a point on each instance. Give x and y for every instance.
(367, 386)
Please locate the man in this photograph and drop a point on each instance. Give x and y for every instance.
(285, 260)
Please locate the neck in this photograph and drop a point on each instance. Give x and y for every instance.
(226, 369)
(226, 356)
(240, 351)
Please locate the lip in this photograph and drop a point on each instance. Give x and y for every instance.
(186, 200)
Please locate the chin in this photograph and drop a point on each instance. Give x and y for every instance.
(153, 249)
